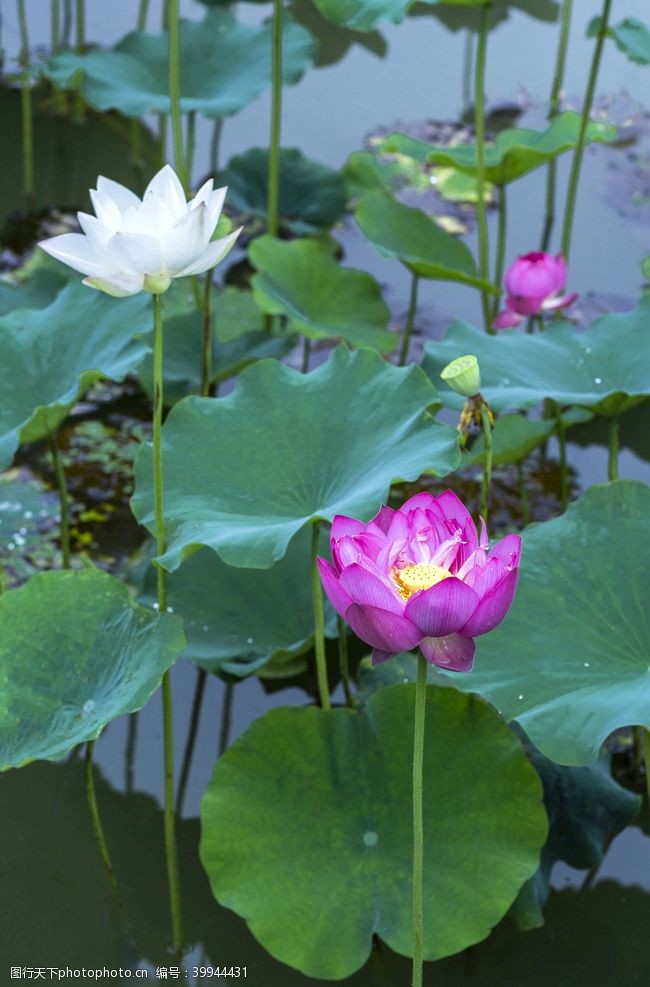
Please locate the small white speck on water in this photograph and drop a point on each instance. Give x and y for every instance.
(155, 606)
(205, 627)
(598, 380)
(249, 640)
(28, 515)
(520, 697)
(170, 609)
(11, 546)
(23, 531)
(370, 838)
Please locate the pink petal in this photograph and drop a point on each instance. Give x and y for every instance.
(560, 301)
(335, 594)
(507, 319)
(442, 609)
(453, 652)
(342, 525)
(364, 587)
(382, 629)
(383, 519)
(493, 607)
(423, 500)
(508, 549)
(345, 551)
(379, 656)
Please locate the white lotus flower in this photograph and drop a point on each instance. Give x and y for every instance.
(134, 244)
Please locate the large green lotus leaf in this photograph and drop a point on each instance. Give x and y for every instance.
(244, 473)
(49, 356)
(237, 621)
(74, 654)
(414, 238)
(301, 280)
(514, 437)
(605, 369)
(303, 786)
(586, 809)
(571, 662)
(225, 66)
(334, 41)
(514, 153)
(312, 196)
(362, 15)
(35, 292)
(364, 171)
(464, 16)
(632, 37)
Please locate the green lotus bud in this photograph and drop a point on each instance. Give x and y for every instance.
(157, 283)
(463, 375)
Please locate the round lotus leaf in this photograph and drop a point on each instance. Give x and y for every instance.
(324, 798)
(75, 652)
(334, 41)
(632, 37)
(237, 621)
(225, 66)
(515, 151)
(571, 661)
(605, 369)
(244, 473)
(414, 238)
(312, 196)
(301, 280)
(51, 355)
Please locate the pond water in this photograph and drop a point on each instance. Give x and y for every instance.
(594, 935)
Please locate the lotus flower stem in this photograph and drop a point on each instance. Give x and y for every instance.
(468, 57)
(168, 739)
(142, 15)
(98, 829)
(319, 621)
(523, 494)
(410, 319)
(561, 438)
(418, 834)
(306, 354)
(554, 106)
(80, 25)
(486, 425)
(226, 717)
(55, 14)
(479, 128)
(162, 139)
(344, 662)
(195, 715)
(63, 501)
(67, 23)
(646, 757)
(190, 144)
(175, 90)
(576, 164)
(273, 194)
(26, 110)
(501, 246)
(214, 144)
(612, 458)
(206, 348)
(129, 754)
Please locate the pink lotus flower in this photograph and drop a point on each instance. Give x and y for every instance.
(534, 284)
(419, 578)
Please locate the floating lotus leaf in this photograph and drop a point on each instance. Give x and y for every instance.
(49, 357)
(237, 621)
(514, 153)
(35, 292)
(62, 680)
(416, 239)
(312, 196)
(322, 300)
(226, 66)
(364, 171)
(632, 37)
(345, 778)
(571, 662)
(244, 473)
(605, 369)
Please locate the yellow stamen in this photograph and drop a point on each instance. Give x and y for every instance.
(416, 577)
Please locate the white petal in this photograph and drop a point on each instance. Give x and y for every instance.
(135, 253)
(97, 232)
(188, 240)
(203, 195)
(214, 252)
(123, 197)
(153, 217)
(117, 285)
(106, 209)
(166, 186)
(215, 205)
(77, 252)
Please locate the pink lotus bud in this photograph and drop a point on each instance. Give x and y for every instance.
(534, 285)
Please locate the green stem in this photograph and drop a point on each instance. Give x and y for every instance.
(55, 15)
(80, 36)
(344, 662)
(142, 15)
(554, 106)
(67, 23)
(468, 54)
(190, 145)
(418, 831)
(129, 756)
(646, 758)
(214, 144)
(306, 354)
(523, 494)
(166, 4)
(501, 247)
(576, 164)
(410, 319)
(319, 621)
(487, 465)
(168, 738)
(175, 89)
(206, 347)
(162, 139)
(98, 829)
(64, 507)
(195, 715)
(26, 110)
(273, 194)
(479, 128)
(226, 717)
(612, 458)
(135, 140)
(564, 476)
